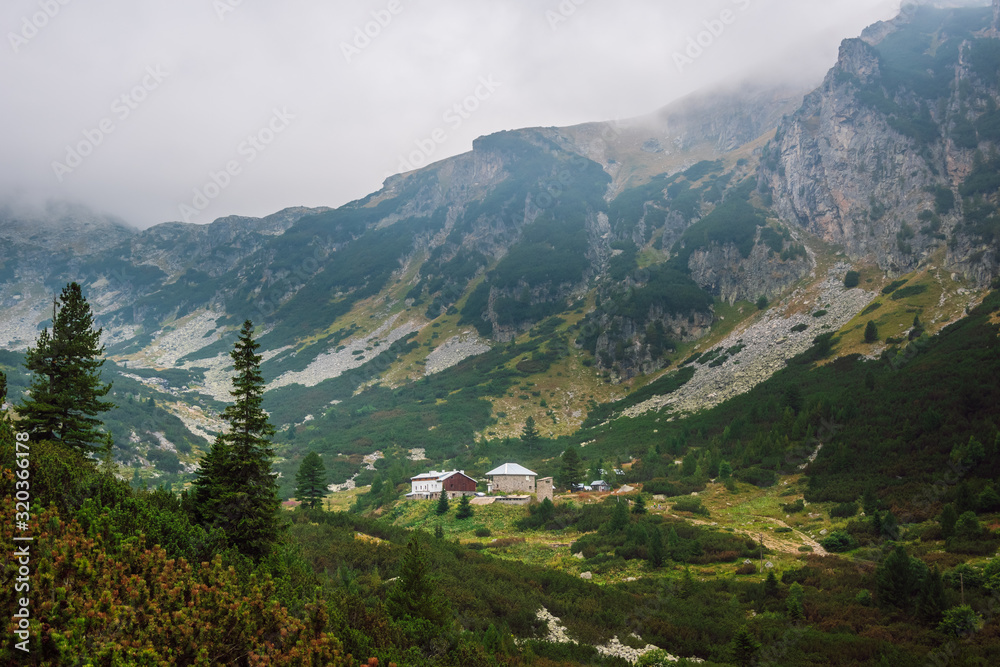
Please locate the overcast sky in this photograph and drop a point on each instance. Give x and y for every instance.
(195, 109)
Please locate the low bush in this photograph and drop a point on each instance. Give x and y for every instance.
(757, 476)
(692, 504)
(843, 510)
(838, 542)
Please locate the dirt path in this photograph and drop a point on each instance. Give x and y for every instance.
(772, 542)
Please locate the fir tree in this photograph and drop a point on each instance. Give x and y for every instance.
(442, 506)
(640, 505)
(235, 489)
(895, 579)
(597, 471)
(657, 554)
(794, 602)
(529, 434)
(311, 480)
(619, 517)
(570, 472)
(414, 600)
(871, 332)
(931, 601)
(464, 508)
(771, 585)
(870, 502)
(5, 428)
(947, 520)
(745, 648)
(66, 388)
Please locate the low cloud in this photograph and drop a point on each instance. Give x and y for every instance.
(370, 86)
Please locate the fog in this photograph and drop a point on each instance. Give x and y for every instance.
(196, 109)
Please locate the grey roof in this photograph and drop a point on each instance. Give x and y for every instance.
(510, 469)
(440, 476)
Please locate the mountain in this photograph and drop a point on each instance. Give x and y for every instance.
(771, 319)
(891, 156)
(578, 262)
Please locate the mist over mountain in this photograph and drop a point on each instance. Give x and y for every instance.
(630, 238)
(751, 337)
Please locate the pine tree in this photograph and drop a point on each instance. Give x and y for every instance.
(745, 648)
(442, 506)
(895, 580)
(931, 601)
(771, 585)
(597, 471)
(947, 520)
(870, 502)
(794, 602)
(235, 489)
(311, 480)
(871, 332)
(570, 472)
(640, 505)
(5, 427)
(66, 388)
(529, 434)
(657, 554)
(414, 600)
(464, 508)
(619, 517)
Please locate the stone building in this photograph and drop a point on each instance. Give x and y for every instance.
(511, 478)
(544, 489)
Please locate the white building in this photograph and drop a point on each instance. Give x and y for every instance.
(430, 484)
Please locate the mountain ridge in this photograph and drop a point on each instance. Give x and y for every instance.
(603, 252)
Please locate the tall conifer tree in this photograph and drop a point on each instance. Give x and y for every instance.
(235, 489)
(66, 388)
(311, 480)
(529, 434)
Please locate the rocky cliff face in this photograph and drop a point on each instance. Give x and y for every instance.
(723, 271)
(878, 158)
(216, 248)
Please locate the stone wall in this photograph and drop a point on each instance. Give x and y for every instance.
(513, 484)
(544, 489)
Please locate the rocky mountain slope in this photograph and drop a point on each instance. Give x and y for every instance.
(890, 157)
(552, 269)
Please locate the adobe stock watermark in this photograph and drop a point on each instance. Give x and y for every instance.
(562, 13)
(223, 7)
(121, 108)
(270, 297)
(370, 31)
(453, 117)
(551, 189)
(714, 29)
(31, 25)
(247, 151)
